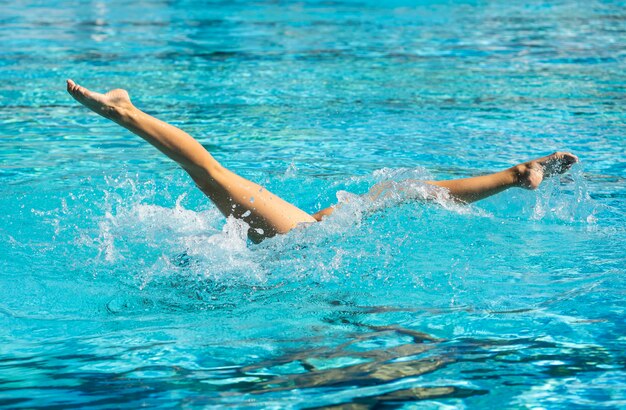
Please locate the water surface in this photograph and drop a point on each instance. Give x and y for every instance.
(122, 286)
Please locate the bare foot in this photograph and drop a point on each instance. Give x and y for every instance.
(530, 174)
(111, 105)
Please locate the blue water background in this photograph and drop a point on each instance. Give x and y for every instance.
(122, 286)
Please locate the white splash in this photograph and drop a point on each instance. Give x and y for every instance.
(566, 199)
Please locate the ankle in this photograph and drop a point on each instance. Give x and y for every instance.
(519, 174)
(120, 113)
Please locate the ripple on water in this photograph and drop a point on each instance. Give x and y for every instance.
(123, 287)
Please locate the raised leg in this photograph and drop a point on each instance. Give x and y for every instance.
(266, 213)
(527, 175)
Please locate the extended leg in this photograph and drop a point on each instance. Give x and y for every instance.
(526, 175)
(266, 213)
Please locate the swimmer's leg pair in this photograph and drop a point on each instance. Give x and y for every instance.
(266, 213)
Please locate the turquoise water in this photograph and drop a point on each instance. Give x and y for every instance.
(122, 286)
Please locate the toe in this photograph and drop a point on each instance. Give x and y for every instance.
(74, 88)
(81, 92)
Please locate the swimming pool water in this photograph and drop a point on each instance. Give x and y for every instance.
(122, 286)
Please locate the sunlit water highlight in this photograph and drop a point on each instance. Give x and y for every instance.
(122, 286)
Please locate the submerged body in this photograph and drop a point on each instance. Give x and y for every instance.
(266, 213)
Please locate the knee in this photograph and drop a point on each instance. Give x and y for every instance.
(207, 177)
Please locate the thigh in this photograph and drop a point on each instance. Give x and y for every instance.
(265, 212)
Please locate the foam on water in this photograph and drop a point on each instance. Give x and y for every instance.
(155, 242)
